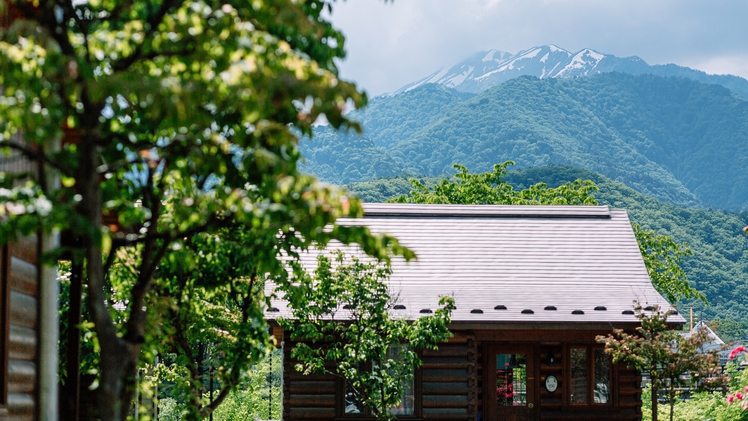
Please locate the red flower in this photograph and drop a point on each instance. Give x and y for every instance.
(736, 351)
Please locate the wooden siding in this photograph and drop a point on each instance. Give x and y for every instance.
(20, 308)
(308, 398)
(450, 381)
(448, 388)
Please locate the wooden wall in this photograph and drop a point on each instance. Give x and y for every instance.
(448, 380)
(451, 381)
(20, 277)
(306, 397)
(19, 311)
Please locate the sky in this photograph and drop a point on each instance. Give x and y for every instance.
(394, 43)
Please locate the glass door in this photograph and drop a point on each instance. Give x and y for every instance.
(509, 383)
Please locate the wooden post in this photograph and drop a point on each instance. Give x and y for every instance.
(690, 326)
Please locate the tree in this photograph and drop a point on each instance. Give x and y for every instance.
(665, 354)
(180, 118)
(488, 188)
(342, 325)
(662, 256)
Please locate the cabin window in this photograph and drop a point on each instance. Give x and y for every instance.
(353, 406)
(589, 373)
(511, 380)
(578, 384)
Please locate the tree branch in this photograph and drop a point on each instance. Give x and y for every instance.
(33, 155)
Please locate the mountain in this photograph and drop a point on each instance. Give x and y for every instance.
(344, 158)
(672, 138)
(487, 69)
(718, 266)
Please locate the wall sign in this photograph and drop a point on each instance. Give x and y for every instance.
(551, 383)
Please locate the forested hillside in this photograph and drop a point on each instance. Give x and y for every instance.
(675, 139)
(343, 158)
(718, 266)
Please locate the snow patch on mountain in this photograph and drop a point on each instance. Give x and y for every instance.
(486, 69)
(489, 68)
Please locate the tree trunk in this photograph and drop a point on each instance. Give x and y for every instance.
(118, 361)
(672, 398)
(655, 392)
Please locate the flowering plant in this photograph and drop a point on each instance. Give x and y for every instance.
(739, 396)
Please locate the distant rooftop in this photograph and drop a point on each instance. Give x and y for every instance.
(512, 264)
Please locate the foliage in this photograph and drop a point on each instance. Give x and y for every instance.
(662, 256)
(170, 410)
(488, 188)
(258, 396)
(344, 327)
(654, 134)
(665, 354)
(701, 406)
(180, 118)
(730, 331)
(708, 406)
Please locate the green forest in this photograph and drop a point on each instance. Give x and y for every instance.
(675, 139)
(718, 266)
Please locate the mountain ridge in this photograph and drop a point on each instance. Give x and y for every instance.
(486, 69)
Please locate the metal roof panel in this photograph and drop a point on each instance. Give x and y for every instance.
(523, 257)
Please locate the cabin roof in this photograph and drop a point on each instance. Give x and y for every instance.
(512, 264)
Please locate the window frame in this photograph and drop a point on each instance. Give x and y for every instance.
(590, 380)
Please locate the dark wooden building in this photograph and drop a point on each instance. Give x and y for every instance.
(20, 273)
(28, 308)
(533, 286)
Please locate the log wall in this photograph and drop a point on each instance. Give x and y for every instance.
(20, 280)
(450, 382)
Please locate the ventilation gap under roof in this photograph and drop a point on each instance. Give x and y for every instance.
(577, 312)
(273, 310)
(476, 311)
(601, 308)
(426, 311)
(399, 307)
(550, 308)
(500, 307)
(527, 311)
(649, 308)
(627, 312)
(348, 307)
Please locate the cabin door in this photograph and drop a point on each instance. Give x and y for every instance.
(509, 383)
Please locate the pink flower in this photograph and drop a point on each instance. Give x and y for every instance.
(746, 388)
(730, 398)
(739, 396)
(736, 351)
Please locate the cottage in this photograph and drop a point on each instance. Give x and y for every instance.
(533, 286)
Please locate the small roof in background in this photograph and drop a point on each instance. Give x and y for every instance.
(512, 264)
